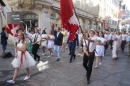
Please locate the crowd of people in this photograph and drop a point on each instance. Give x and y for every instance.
(93, 45)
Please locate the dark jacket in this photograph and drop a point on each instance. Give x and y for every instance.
(58, 40)
(4, 38)
(76, 41)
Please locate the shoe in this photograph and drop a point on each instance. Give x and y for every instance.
(43, 54)
(74, 56)
(39, 58)
(70, 61)
(11, 81)
(96, 67)
(88, 80)
(49, 56)
(58, 59)
(100, 63)
(69, 54)
(27, 77)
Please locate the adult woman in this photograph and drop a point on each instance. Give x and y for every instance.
(80, 35)
(23, 58)
(101, 41)
(116, 44)
(64, 39)
(51, 38)
(43, 41)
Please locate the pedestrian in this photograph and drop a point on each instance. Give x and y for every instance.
(80, 35)
(64, 39)
(4, 39)
(36, 44)
(58, 41)
(22, 59)
(116, 45)
(89, 53)
(128, 43)
(44, 41)
(101, 41)
(111, 37)
(124, 37)
(50, 45)
(106, 36)
(72, 46)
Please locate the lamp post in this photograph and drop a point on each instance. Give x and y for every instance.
(120, 6)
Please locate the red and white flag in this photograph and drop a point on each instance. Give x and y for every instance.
(68, 17)
(4, 11)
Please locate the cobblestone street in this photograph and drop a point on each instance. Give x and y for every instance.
(51, 73)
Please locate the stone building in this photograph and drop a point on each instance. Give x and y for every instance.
(92, 14)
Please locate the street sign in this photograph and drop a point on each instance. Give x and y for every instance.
(13, 17)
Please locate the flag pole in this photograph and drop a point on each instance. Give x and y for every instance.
(78, 20)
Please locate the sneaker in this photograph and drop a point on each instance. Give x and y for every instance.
(49, 56)
(11, 81)
(100, 63)
(27, 77)
(96, 67)
(43, 54)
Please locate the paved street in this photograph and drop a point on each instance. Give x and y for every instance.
(51, 73)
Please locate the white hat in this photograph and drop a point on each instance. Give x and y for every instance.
(92, 30)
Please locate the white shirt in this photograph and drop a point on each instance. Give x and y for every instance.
(37, 37)
(92, 45)
(106, 37)
(110, 37)
(124, 37)
(58, 34)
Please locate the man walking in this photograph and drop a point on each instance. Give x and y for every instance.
(4, 39)
(58, 42)
(72, 46)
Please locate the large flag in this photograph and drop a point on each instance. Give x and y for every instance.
(68, 17)
(4, 11)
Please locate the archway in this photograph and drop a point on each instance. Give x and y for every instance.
(31, 19)
(55, 20)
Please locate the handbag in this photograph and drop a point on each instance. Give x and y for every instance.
(30, 46)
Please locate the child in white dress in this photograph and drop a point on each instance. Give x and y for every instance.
(51, 38)
(44, 41)
(23, 59)
(101, 41)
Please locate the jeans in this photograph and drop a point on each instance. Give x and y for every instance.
(72, 50)
(123, 45)
(57, 50)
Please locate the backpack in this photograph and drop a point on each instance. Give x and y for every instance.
(8, 55)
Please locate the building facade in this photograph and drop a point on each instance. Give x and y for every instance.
(92, 14)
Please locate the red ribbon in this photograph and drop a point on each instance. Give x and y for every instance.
(21, 59)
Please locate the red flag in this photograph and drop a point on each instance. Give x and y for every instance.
(8, 30)
(68, 17)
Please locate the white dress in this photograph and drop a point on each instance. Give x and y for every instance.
(23, 60)
(100, 48)
(80, 37)
(51, 42)
(116, 46)
(44, 41)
